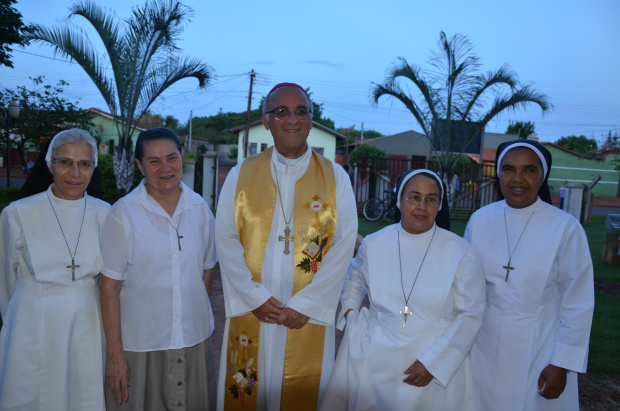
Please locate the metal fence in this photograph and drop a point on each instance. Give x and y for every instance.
(374, 177)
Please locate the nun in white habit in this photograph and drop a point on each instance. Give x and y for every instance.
(408, 351)
(51, 343)
(540, 294)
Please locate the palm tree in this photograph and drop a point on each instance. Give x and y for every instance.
(139, 63)
(451, 102)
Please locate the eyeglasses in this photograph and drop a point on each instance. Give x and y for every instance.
(415, 200)
(282, 113)
(67, 163)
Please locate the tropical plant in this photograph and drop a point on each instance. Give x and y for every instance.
(450, 102)
(143, 59)
(523, 129)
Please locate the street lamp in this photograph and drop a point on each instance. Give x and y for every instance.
(12, 112)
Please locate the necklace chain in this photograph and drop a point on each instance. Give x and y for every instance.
(177, 231)
(510, 254)
(65, 237)
(275, 171)
(420, 268)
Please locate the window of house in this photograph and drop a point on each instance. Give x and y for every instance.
(252, 149)
(263, 147)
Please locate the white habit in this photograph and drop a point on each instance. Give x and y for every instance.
(318, 300)
(542, 315)
(51, 344)
(447, 303)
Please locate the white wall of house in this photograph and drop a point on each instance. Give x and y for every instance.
(318, 139)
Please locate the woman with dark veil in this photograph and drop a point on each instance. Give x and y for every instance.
(408, 350)
(539, 286)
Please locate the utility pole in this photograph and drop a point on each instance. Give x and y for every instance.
(362, 134)
(247, 118)
(191, 117)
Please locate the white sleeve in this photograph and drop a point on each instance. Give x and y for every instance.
(11, 240)
(319, 299)
(576, 278)
(355, 285)
(444, 356)
(241, 293)
(209, 240)
(114, 246)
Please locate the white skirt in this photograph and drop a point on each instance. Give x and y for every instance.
(51, 348)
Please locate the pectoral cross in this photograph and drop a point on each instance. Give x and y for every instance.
(508, 268)
(286, 239)
(73, 266)
(405, 314)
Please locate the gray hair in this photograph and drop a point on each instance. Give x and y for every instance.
(71, 136)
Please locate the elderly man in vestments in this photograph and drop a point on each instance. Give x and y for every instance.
(285, 230)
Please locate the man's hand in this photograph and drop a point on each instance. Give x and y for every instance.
(551, 382)
(418, 375)
(292, 319)
(270, 311)
(117, 376)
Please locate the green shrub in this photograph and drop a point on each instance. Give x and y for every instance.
(9, 193)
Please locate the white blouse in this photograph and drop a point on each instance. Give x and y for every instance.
(164, 303)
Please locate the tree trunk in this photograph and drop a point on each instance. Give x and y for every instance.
(123, 169)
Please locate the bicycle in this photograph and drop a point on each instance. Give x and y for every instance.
(375, 208)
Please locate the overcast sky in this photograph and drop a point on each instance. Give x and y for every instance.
(569, 49)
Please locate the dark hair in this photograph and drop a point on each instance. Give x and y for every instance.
(152, 134)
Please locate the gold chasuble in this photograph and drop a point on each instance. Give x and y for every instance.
(315, 219)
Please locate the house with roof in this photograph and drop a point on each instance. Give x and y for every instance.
(414, 145)
(104, 128)
(574, 168)
(321, 139)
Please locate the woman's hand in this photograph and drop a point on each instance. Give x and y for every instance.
(418, 375)
(117, 372)
(551, 382)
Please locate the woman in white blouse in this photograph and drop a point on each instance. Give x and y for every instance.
(158, 251)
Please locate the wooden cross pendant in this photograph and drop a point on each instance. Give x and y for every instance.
(405, 314)
(73, 266)
(508, 268)
(286, 239)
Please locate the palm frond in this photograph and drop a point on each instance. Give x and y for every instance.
(168, 74)
(71, 43)
(517, 100)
